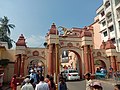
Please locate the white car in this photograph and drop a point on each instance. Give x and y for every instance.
(71, 74)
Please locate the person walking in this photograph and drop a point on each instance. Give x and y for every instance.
(23, 83)
(47, 78)
(97, 86)
(42, 85)
(62, 84)
(28, 85)
(33, 76)
(88, 81)
(13, 83)
(51, 84)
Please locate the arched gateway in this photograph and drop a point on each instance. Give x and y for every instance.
(79, 40)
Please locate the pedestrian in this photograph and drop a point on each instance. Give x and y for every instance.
(115, 77)
(98, 70)
(32, 82)
(13, 83)
(88, 81)
(38, 76)
(62, 84)
(42, 85)
(33, 76)
(23, 83)
(28, 85)
(47, 78)
(110, 72)
(51, 84)
(96, 86)
(117, 87)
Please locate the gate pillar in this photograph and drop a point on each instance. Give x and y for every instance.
(86, 61)
(87, 42)
(50, 60)
(113, 63)
(112, 54)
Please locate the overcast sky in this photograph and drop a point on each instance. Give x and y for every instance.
(33, 18)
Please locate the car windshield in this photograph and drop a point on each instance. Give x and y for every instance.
(73, 71)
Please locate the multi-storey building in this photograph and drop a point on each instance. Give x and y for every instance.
(109, 20)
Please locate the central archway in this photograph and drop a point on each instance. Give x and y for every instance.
(78, 61)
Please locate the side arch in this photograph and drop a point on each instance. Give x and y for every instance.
(102, 62)
(36, 60)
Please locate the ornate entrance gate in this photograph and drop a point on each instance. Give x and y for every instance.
(78, 41)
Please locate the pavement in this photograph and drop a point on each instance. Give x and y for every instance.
(107, 81)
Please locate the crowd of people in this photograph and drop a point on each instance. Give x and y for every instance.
(36, 81)
(106, 74)
(46, 83)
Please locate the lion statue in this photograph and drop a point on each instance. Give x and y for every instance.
(65, 30)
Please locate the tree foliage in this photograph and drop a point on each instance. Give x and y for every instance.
(5, 31)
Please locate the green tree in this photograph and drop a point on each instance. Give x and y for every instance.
(5, 31)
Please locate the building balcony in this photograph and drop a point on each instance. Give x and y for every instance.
(118, 13)
(101, 18)
(100, 9)
(112, 34)
(105, 38)
(109, 21)
(107, 10)
(102, 28)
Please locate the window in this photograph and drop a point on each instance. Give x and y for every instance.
(102, 13)
(103, 23)
(73, 71)
(111, 28)
(105, 33)
(109, 17)
(118, 12)
(107, 4)
(65, 54)
(113, 40)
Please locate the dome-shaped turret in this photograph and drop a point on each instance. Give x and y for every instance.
(109, 45)
(86, 32)
(53, 29)
(21, 41)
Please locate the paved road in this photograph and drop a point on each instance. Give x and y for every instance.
(80, 85)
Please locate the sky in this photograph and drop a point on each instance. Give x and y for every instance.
(33, 18)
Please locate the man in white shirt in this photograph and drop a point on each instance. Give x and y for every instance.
(28, 85)
(42, 85)
(88, 81)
